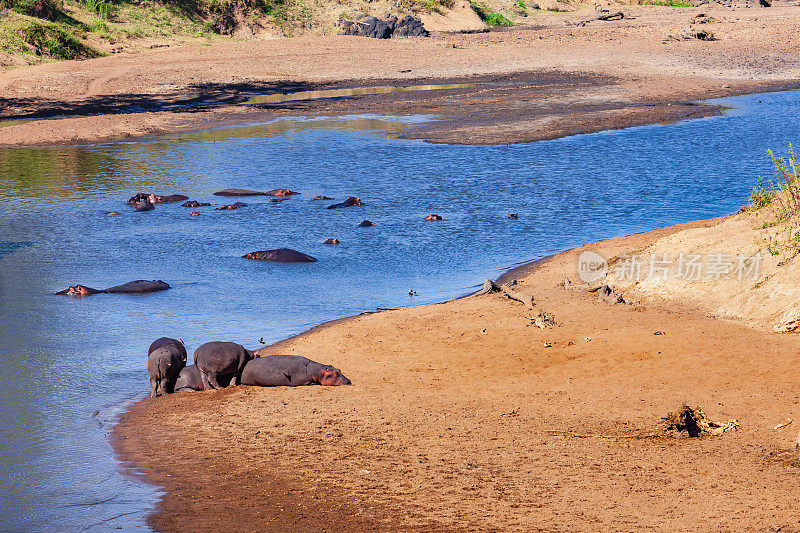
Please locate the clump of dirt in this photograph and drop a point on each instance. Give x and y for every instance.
(692, 422)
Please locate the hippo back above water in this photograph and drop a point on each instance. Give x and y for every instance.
(281, 255)
(290, 371)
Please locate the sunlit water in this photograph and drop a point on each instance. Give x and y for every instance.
(66, 359)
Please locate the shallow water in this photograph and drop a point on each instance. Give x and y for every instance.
(69, 364)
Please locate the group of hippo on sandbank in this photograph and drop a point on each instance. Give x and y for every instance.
(220, 364)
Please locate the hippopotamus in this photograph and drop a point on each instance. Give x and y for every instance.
(333, 240)
(290, 371)
(165, 359)
(366, 224)
(433, 216)
(132, 287)
(239, 192)
(281, 255)
(276, 200)
(281, 192)
(136, 198)
(194, 203)
(513, 216)
(351, 201)
(167, 199)
(235, 205)
(189, 380)
(143, 205)
(217, 360)
(323, 197)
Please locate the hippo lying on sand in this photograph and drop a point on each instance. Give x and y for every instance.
(290, 371)
(217, 360)
(351, 201)
(165, 359)
(189, 380)
(281, 255)
(132, 287)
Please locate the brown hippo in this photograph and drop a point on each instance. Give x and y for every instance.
(281, 255)
(351, 201)
(276, 200)
(433, 216)
(194, 203)
(290, 371)
(366, 224)
(165, 359)
(217, 360)
(331, 241)
(132, 287)
(323, 197)
(513, 216)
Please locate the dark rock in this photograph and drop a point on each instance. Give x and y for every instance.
(385, 28)
(520, 12)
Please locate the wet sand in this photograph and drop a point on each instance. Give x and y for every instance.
(464, 416)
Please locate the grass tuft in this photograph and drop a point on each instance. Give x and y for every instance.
(53, 41)
(489, 17)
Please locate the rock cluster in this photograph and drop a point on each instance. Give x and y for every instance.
(385, 27)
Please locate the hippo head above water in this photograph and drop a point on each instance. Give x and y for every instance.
(333, 377)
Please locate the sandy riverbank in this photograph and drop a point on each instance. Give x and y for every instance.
(547, 78)
(464, 416)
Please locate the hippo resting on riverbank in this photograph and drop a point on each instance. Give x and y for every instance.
(165, 359)
(132, 287)
(189, 380)
(248, 192)
(290, 371)
(217, 360)
(351, 201)
(281, 255)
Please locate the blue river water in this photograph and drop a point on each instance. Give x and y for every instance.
(70, 365)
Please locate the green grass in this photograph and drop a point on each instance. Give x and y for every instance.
(52, 40)
(489, 17)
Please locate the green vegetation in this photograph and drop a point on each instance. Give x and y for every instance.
(782, 195)
(53, 41)
(489, 17)
(427, 6)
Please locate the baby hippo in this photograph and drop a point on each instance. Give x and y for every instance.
(165, 359)
(290, 371)
(217, 360)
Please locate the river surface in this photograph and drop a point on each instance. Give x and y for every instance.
(70, 365)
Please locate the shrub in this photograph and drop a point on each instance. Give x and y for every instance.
(489, 17)
(50, 40)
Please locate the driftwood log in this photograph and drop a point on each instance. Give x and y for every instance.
(619, 15)
(490, 286)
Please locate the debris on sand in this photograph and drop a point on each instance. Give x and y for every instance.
(692, 422)
(543, 320)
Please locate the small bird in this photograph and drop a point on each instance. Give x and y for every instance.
(261, 340)
(412, 292)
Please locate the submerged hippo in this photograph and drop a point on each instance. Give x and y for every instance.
(240, 192)
(166, 199)
(281, 255)
(194, 203)
(365, 224)
(332, 240)
(165, 359)
(235, 205)
(143, 205)
(290, 371)
(433, 216)
(323, 197)
(217, 360)
(132, 287)
(282, 192)
(513, 216)
(351, 201)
